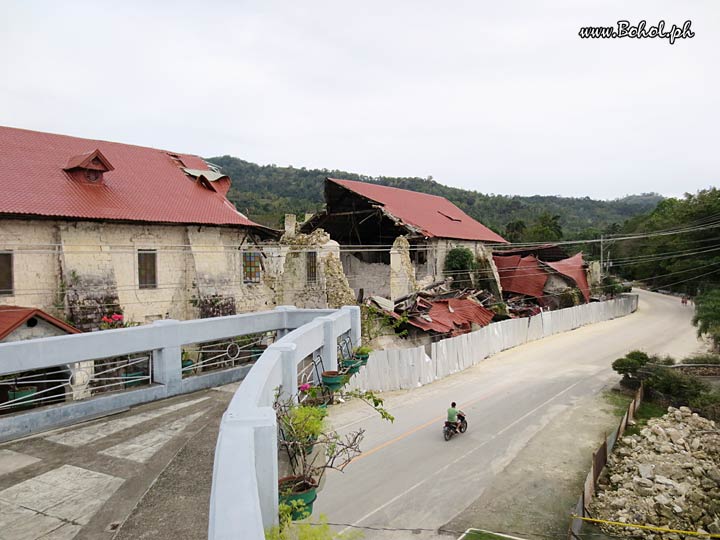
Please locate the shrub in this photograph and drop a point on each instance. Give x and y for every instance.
(459, 263)
(707, 405)
(706, 358)
(679, 388)
(628, 366)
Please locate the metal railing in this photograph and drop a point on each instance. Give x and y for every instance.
(81, 376)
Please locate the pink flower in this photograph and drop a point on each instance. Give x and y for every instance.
(117, 317)
(304, 387)
(106, 320)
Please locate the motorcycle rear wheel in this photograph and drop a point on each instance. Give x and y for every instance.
(447, 433)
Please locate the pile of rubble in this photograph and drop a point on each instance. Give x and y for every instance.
(667, 476)
(439, 310)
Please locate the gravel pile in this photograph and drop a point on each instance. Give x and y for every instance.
(667, 476)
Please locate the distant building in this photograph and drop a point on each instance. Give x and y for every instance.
(394, 241)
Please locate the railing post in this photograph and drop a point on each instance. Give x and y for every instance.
(355, 329)
(167, 362)
(288, 363)
(284, 331)
(330, 345)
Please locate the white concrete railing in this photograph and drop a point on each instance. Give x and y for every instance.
(164, 340)
(244, 497)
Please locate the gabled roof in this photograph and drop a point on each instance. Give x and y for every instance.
(432, 215)
(140, 184)
(12, 317)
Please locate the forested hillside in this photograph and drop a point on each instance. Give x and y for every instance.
(677, 246)
(267, 192)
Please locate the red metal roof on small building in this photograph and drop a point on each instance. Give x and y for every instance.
(12, 317)
(145, 184)
(454, 316)
(574, 268)
(521, 275)
(435, 216)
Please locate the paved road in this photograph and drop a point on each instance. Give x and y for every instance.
(410, 478)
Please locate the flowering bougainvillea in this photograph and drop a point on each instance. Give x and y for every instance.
(115, 320)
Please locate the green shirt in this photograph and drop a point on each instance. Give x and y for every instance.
(452, 414)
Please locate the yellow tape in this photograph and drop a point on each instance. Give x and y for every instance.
(648, 527)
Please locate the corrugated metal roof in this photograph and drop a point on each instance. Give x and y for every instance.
(574, 268)
(146, 185)
(12, 317)
(521, 275)
(454, 316)
(435, 216)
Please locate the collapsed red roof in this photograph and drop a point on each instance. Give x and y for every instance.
(12, 317)
(521, 275)
(435, 216)
(453, 316)
(140, 184)
(574, 268)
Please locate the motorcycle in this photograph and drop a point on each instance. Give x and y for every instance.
(451, 429)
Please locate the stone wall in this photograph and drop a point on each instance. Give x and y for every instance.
(80, 271)
(373, 278)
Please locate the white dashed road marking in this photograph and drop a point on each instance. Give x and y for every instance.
(143, 447)
(89, 434)
(54, 505)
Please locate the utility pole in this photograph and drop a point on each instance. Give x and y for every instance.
(602, 268)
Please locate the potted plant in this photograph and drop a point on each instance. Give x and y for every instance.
(303, 426)
(350, 366)
(315, 396)
(22, 393)
(362, 353)
(334, 380)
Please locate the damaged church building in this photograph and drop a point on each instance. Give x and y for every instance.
(394, 241)
(90, 228)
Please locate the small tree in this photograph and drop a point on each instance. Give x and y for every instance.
(459, 263)
(629, 365)
(707, 315)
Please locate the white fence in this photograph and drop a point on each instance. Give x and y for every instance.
(396, 369)
(244, 497)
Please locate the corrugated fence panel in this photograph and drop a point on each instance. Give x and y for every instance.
(394, 369)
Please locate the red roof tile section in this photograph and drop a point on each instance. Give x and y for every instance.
(521, 275)
(434, 216)
(12, 317)
(453, 316)
(143, 184)
(574, 268)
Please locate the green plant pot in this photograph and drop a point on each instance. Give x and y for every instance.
(333, 380)
(351, 366)
(130, 379)
(25, 393)
(307, 496)
(362, 357)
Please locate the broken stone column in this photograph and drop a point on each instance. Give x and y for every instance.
(402, 271)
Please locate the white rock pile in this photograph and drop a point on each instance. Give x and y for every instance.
(667, 476)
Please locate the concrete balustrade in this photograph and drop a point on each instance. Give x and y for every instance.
(244, 498)
(164, 340)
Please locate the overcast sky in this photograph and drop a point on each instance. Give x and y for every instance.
(500, 97)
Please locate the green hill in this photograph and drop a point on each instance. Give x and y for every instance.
(266, 192)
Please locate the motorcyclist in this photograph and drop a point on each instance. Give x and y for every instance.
(452, 415)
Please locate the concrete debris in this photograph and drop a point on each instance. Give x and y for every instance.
(657, 478)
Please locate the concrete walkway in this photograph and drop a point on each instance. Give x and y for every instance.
(84, 481)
